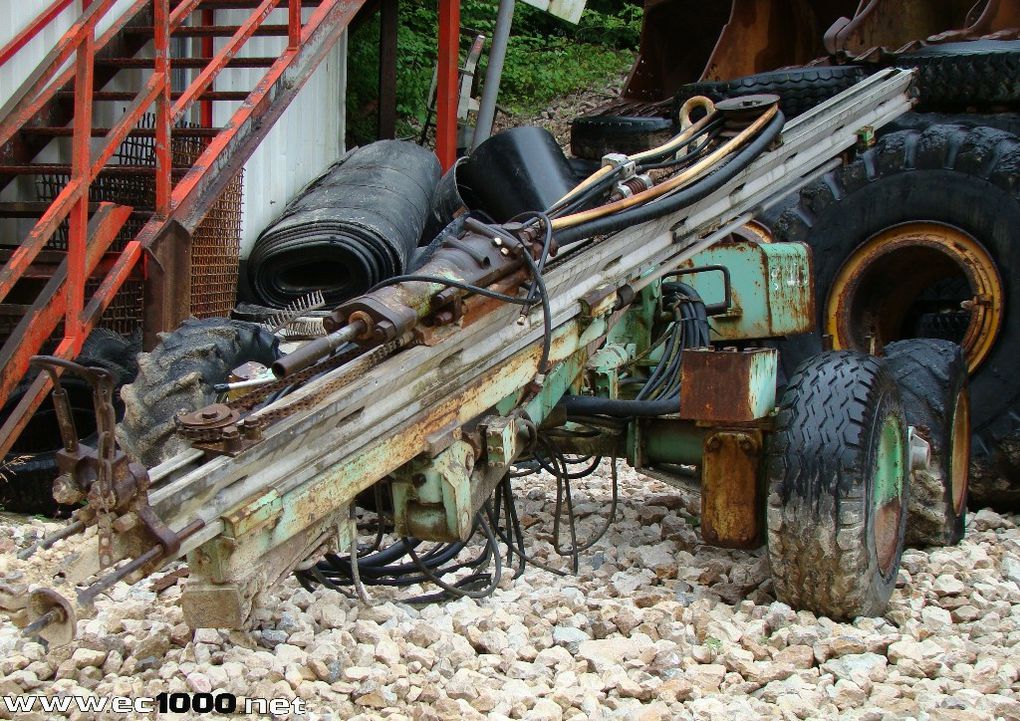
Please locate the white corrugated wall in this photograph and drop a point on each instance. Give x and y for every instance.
(305, 141)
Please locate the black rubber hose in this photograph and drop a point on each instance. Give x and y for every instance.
(356, 225)
(590, 406)
(672, 203)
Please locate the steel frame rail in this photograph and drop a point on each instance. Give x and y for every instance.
(178, 208)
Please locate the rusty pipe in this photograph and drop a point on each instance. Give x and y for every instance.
(311, 352)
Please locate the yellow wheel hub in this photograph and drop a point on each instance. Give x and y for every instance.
(877, 288)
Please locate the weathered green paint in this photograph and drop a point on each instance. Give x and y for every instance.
(432, 496)
(604, 368)
(670, 441)
(772, 288)
(889, 470)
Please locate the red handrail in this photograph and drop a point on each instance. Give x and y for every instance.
(65, 297)
(32, 29)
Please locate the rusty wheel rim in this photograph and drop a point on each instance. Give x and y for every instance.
(877, 288)
(960, 457)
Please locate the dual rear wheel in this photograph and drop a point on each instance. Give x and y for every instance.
(843, 499)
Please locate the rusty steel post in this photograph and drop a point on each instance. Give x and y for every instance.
(388, 69)
(293, 24)
(164, 161)
(446, 84)
(208, 18)
(80, 171)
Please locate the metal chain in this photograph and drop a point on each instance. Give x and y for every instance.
(360, 362)
(362, 365)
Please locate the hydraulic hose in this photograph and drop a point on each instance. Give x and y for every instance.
(677, 201)
(591, 406)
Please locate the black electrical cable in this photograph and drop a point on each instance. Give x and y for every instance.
(710, 128)
(588, 405)
(700, 151)
(453, 589)
(680, 199)
(439, 280)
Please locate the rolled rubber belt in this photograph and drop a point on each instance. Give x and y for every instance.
(354, 226)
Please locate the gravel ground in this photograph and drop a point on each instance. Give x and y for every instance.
(655, 626)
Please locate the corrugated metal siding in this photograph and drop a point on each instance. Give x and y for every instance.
(304, 142)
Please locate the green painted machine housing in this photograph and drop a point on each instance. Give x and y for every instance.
(753, 290)
(771, 288)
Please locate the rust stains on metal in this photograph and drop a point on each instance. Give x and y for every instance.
(727, 386)
(731, 496)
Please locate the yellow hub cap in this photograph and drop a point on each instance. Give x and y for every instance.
(881, 286)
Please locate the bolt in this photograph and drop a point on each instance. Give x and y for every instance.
(209, 415)
(714, 444)
(504, 251)
(745, 445)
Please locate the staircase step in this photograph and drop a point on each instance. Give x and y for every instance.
(184, 62)
(129, 95)
(199, 31)
(48, 262)
(65, 169)
(36, 208)
(137, 132)
(241, 4)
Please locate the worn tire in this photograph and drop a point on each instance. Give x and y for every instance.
(31, 466)
(799, 89)
(964, 177)
(179, 375)
(592, 136)
(979, 73)
(838, 410)
(932, 378)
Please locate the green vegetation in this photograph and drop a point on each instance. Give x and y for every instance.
(547, 57)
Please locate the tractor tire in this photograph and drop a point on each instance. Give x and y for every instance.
(836, 471)
(26, 481)
(593, 136)
(1007, 122)
(976, 74)
(932, 378)
(799, 89)
(179, 375)
(966, 182)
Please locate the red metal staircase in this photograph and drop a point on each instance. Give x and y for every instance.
(54, 103)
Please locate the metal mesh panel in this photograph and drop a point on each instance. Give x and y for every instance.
(215, 245)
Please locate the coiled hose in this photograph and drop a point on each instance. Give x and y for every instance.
(356, 225)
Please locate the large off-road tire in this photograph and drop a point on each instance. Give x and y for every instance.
(975, 74)
(799, 89)
(895, 234)
(179, 375)
(31, 466)
(836, 470)
(932, 378)
(592, 136)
